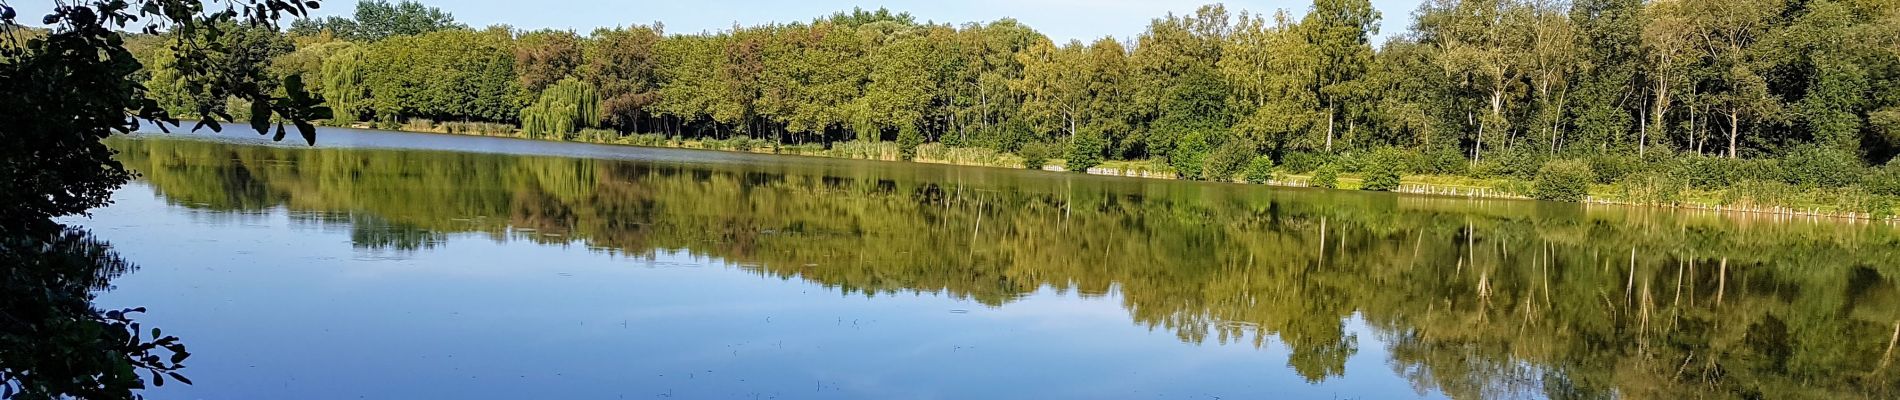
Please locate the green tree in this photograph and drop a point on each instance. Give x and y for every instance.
(545, 57)
(1609, 36)
(624, 64)
(1728, 30)
(376, 20)
(1339, 32)
(1269, 69)
(564, 108)
(898, 86)
(1563, 180)
(1384, 169)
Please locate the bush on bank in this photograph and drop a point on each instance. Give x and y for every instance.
(1563, 180)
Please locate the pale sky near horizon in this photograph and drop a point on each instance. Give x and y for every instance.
(1060, 19)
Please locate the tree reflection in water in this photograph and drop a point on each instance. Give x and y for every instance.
(1478, 299)
(53, 342)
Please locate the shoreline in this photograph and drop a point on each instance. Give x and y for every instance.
(1410, 184)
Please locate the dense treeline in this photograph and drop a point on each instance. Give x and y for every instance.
(1661, 97)
(1478, 300)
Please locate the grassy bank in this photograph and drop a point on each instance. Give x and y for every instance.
(1749, 196)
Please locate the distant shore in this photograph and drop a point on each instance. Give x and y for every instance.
(1433, 185)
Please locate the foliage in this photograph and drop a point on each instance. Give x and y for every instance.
(1442, 160)
(1188, 154)
(56, 343)
(1326, 176)
(1884, 181)
(564, 108)
(1650, 187)
(1563, 180)
(1815, 166)
(1304, 162)
(1085, 151)
(443, 75)
(1227, 161)
(376, 20)
(1260, 170)
(1383, 169)
(1612, 168)
(908, 138)
(64, 90)
(1036, 155)
(1708, 91)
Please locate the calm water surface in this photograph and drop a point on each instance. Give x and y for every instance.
(389, 265)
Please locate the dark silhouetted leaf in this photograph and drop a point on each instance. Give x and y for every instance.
(308, 131)
(260, 117)
(179, 377)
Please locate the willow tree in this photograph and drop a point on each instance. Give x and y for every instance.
(343, 85)
(564, 108)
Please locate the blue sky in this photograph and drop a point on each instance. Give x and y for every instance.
(1060, 19)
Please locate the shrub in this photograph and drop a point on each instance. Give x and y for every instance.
(1884, 181)
(1189, 156)
(1442, 160)
(592, 135)
(1327, 176)
(1384, 168)
(1516, 187)
(1705, 172)
(865, 150)
(1036, 154)
(1260, 170)
(478, 128)
(1610, 168)
(1522, 162)
(1303, 162)
(1085, 151)
(1819, 167)
(415, 124)
(963, 155)
(1226, 161)
(1563, 180)
(1350, 161)
(642, 139)
(908, 138)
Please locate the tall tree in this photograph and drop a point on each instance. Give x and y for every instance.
(1054, 87)
(1609, 39)
(624, 64)
(1553, 57)
(1270, 66)
(1668, 42)
(1482, 45)
(899, 86)
(544, 57)
(1726, 32)
(1340, 32)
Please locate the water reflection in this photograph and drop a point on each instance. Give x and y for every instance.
(53, 343)
(1476, 299)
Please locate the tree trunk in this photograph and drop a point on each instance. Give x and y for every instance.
(1329, 130)
(1734, 132)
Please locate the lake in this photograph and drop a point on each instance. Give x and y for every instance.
(396, 265)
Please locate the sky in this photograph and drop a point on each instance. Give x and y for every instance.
(1060, 19)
